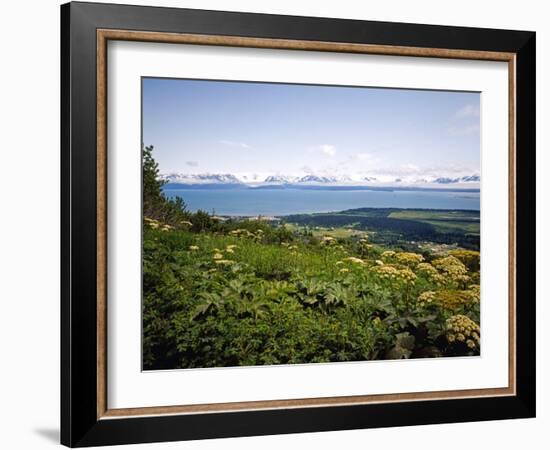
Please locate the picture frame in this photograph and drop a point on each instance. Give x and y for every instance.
(86, 418)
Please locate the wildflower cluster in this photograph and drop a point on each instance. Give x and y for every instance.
(240, 232)
(453, 269)
(392, 273)
(462, 329)
(407, 276)
(219, 258)
(452, 300)
(224, 262)
(155, 224)
(426, 297)
(327, 240)
(364, 247)
(243, 233)
(469, 258)
(430, 272)
(408, 259)
(474, 291)
(230, 248)
(353, 260)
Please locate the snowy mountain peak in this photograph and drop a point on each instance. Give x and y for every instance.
(279, 179)
(465, 179)
(257, 180)
(201, 178)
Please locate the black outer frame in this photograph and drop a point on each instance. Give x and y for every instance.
(79, 423)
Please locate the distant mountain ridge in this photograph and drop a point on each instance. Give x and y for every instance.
(310, 181)
(201, 178)
(466, 179)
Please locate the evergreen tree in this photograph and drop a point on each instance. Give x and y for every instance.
(155, 204)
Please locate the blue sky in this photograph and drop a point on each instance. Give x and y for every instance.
(260, 129)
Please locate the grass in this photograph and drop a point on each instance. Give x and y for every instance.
(466, 222)
(269, 260)
(338, 233)
(454, 227)
(451, 215)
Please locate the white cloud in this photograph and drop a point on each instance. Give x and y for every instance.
(413, 173)
(401, 170)
(192, 163)
(467, 111)
(234, 144)
(465, 130)
(363, 156)
(327, 149)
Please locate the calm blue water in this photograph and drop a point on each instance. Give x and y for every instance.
(276, 202)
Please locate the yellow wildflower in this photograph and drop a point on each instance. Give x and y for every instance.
(426, 268)
(451, 267)
(224, 262)
(451, 300)
(469, 258)
(327, 240)
(464, 329)
(426, 297)
(354, 260)
(408, 258)
(474, 291)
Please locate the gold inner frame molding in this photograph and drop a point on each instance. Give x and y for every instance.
(105, 35)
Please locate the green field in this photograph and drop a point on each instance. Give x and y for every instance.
(400, 227)
(466, 222)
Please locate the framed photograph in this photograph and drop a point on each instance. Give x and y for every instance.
(277, 224)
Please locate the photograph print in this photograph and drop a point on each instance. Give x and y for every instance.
(299, 224)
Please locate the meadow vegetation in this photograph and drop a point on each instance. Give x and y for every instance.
(400, 227)
(238, 292)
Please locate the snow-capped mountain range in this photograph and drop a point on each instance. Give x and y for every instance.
(201, 178)
(255, 180)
